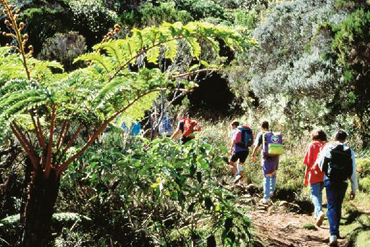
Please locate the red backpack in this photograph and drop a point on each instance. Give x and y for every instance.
(189, 127)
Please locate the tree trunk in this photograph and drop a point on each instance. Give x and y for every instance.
(39, 207)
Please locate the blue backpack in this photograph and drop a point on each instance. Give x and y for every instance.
(244, 137)
(166, 126)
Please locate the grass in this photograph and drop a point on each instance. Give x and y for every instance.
(309, 226)
(363, 239)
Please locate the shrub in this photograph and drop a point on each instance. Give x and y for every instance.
(139, 191)
(64, 48)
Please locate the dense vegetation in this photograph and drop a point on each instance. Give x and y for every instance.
(73, 71)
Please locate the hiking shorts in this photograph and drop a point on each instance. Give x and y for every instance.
(241, 156)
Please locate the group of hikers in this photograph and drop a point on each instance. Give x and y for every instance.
(329, 165)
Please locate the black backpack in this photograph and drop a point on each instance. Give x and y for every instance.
(339, 167)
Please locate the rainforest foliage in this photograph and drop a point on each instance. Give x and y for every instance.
(71, 72)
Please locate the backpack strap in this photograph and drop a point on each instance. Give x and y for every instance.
(264, 138)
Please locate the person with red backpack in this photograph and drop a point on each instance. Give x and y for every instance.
(337, 161)
(272, 147)
(313, 175)
(242, 139)
(186, 128)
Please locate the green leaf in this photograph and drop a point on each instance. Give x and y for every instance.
(153, 54)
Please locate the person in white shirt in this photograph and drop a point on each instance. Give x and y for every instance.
(337, 161)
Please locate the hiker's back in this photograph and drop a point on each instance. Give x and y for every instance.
(244, 137)
(165, 126)
(340, 165)
(190, 126)
(273, 143)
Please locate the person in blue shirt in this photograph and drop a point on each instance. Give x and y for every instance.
(269, 164)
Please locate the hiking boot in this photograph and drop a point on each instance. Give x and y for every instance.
(320, 219)
(333, 240)
(237, 178)
(272, 195)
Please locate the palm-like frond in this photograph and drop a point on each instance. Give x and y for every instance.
(115, 82)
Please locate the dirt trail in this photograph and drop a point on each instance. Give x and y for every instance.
(282, 225)
(283, 229)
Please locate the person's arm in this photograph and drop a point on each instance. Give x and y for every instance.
(257, 144)
(308, 162)
(254, 153)
(354, 181)
(306, 175)
(232, 147)
(176, 134)
(178, 131)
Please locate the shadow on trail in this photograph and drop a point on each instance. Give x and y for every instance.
(305, 207)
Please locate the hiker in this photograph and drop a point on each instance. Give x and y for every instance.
(234, 129)
(134, 129)
(165, 126)
(271, 149)
(242, 139)
(337, 161)
(313, 175)
(186, 128)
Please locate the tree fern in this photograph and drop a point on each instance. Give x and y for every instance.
(100, 61)
(95, 95)
(137, 110)
(21, 105)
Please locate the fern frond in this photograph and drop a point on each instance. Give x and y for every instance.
(137, 40)
(215, 45)
(99, 60)
(137, 110)
(11, 66)
(153, 54)
(195, 48)
(11, 97)
(23, 105)
(112, 48)
(175, 29)
(171, 49)
(43, 68)
(110, 89)
(13, 86)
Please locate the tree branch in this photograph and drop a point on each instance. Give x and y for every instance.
(42, 137)
(24, 138)
(62, 133)
(100, 130)
(70, 142)
(48, 164)
(187, 74)
(25, 147)
(36, 128)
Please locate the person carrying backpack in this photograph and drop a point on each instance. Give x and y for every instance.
(186, 128)
(242, 139)
(272, 147)
(313, 175)
(337, 161)
(165, 127)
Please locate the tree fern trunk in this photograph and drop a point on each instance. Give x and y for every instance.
(38, 210)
